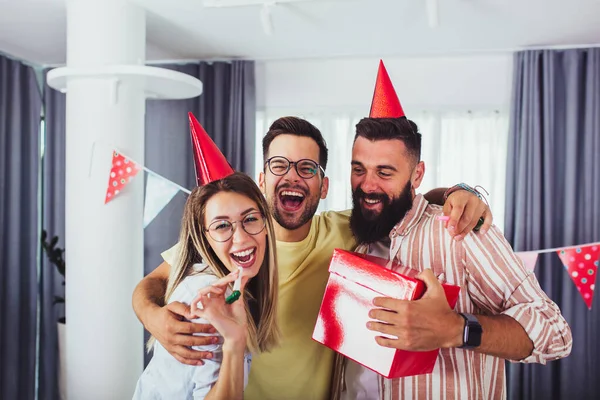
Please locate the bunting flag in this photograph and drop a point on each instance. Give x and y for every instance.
(159, 192)
(529, 258)
(122, 172)
(582, 265)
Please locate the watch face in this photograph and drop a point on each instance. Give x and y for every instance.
(472, 332)
(474, 336)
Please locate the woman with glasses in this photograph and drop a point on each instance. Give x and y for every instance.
(226, 228)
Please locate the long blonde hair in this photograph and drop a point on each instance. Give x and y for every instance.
(263, 332)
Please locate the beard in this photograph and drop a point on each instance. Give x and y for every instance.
(291, 220)
(368, 226)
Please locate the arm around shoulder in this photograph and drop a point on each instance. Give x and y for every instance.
(149, 294)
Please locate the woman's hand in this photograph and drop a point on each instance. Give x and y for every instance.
(228, 319)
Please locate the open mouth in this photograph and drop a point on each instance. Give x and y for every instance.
(291, 200)
(244, 258)
(371, 203)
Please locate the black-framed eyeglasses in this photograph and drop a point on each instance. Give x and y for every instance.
(222, 230)
(306, 168)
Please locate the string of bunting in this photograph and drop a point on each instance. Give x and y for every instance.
(159, 190)
(581, 261)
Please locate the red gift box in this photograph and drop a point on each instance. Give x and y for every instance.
(354, 281)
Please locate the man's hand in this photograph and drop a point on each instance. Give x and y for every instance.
(169, 326)
(419, 325)
(465, 209)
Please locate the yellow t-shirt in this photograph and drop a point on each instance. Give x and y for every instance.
(300, 368)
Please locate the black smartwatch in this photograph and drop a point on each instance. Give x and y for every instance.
(472, 332)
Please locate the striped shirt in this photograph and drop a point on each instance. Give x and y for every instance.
(493, 281)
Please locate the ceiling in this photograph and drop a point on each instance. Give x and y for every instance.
(34, 30)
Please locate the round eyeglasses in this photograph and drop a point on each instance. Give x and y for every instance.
(222, 230)
(306, 168)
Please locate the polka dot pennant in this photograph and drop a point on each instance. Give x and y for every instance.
(582, 265)
(122, 172)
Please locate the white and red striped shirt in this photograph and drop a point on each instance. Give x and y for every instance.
(493, 281)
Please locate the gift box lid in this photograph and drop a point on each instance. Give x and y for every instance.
(371, 272)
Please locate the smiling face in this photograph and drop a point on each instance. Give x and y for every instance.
(244, 247)
(383, 179)
(293, 200)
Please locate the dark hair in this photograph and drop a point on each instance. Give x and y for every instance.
(299, 127)
(392, 128)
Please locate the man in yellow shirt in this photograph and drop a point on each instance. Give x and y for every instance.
(293, 182)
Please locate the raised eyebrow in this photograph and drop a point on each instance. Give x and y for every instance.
(226, 218)
(251, 209)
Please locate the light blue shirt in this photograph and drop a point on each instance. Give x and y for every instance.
(165, 378)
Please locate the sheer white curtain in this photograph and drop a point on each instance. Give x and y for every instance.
(457, 147)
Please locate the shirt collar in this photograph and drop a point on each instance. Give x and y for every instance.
(411, 218)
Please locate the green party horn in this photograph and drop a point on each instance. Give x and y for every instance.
(479, 224)
(236, 294)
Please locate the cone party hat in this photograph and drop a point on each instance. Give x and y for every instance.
(210, 164)
(385, 102)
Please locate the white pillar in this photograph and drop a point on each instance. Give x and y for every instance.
(106, 85)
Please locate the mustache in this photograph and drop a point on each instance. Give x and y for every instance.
(369, 227)
(360, 194)
(288, 186)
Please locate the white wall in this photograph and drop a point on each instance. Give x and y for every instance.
(451, 82)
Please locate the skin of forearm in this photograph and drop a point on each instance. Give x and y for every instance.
(505, 338)
(147, 296)
(502, 337)
(150, 292)
(230, 384)
(436, 196)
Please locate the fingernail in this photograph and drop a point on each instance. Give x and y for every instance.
(483, 231)
(200, 363)
(215, 340)
(369, 325)
(209, 356)
(451, 228)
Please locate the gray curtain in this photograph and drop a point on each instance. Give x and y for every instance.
(553, 200)
(226, 109)
(20, 109)
(53, 222)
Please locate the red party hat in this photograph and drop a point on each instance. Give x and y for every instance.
(210, 163)
(385, 100)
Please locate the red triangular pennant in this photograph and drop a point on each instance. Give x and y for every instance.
(122, 172)
(582, 265)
